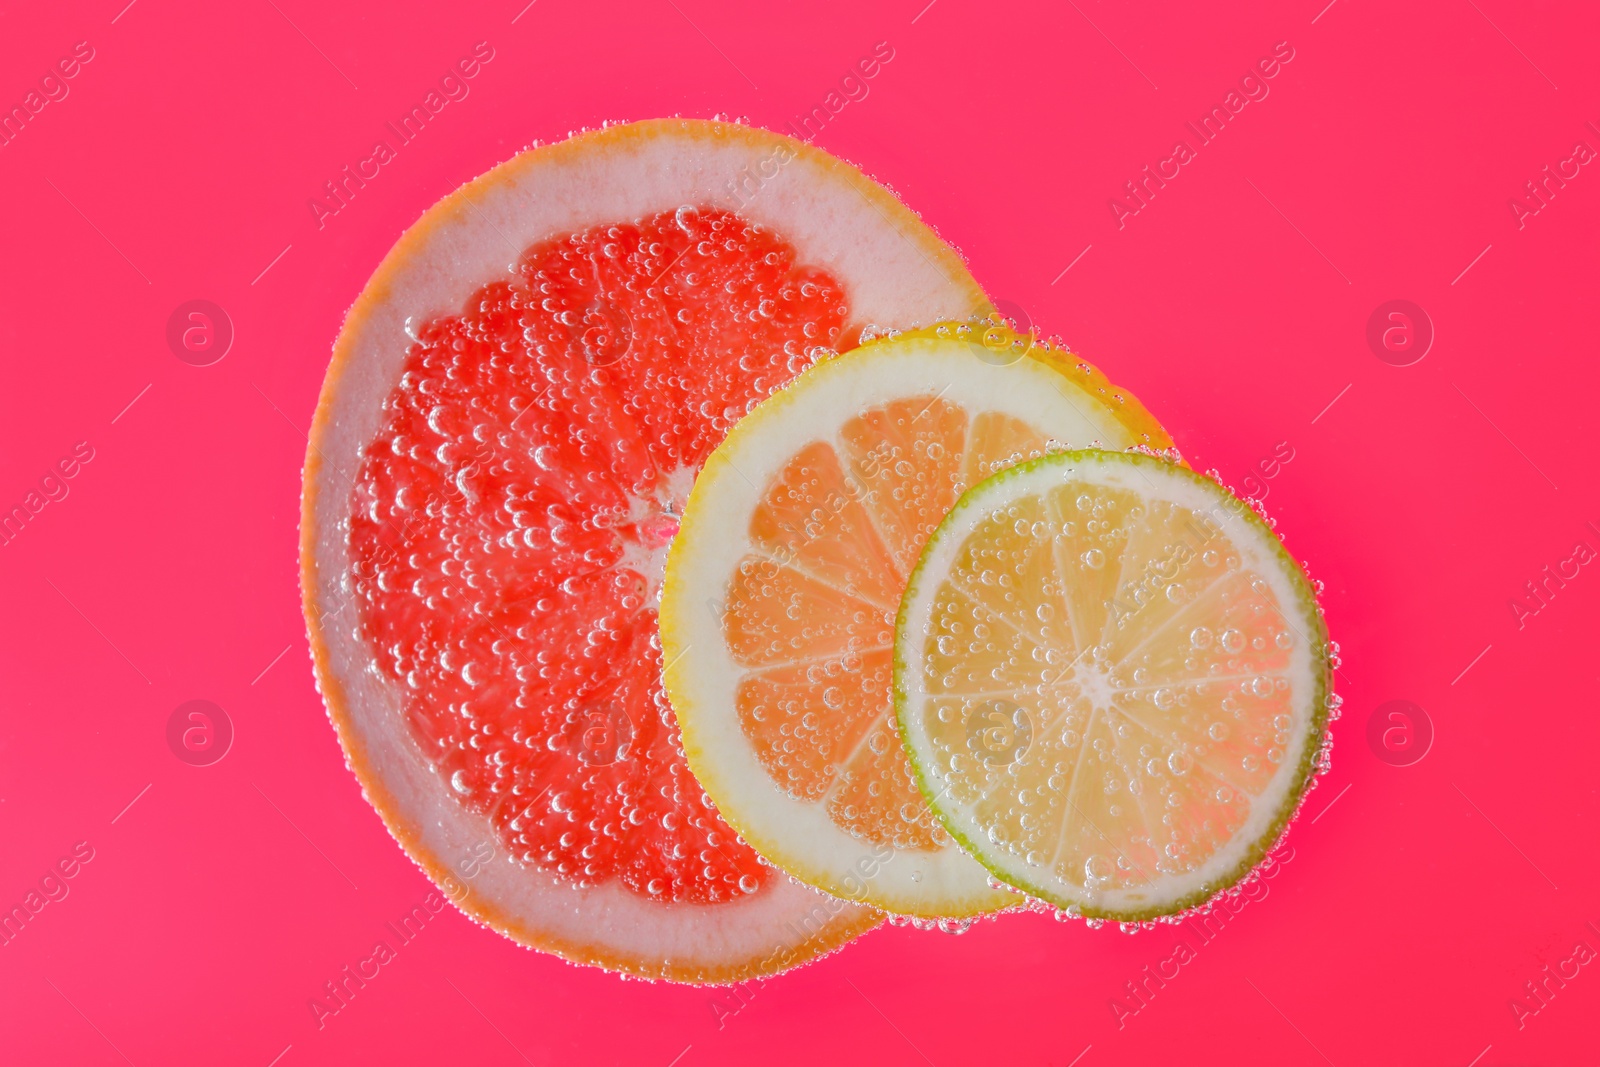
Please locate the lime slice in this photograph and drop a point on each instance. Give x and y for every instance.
(1112, 681)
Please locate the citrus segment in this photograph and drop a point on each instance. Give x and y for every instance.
(1113, 682)
(497, 466)
(836, 542)
(781, 588)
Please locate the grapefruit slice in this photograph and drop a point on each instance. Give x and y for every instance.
(777, 616)
(516, 407)
(1113, 682)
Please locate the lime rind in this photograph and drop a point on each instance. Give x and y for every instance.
(1316, 739)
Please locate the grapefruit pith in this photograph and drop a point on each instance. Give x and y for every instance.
(498, 461)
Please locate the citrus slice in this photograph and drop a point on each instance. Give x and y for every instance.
(1113, 682)
(777, 616)
(516, 407)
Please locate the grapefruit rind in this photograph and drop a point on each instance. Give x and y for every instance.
(1296, 776)
(1036, 381)
(897, 271)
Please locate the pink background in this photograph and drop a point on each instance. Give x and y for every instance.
(1419, 898)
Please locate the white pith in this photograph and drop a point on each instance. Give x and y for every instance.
(655, 521)
(702, 675)
(1259, 552)
(894, 271)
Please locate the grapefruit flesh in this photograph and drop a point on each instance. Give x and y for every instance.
(498, 463)
(507, 521)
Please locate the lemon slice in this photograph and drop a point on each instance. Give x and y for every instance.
(778, 604)
(1113, 682)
